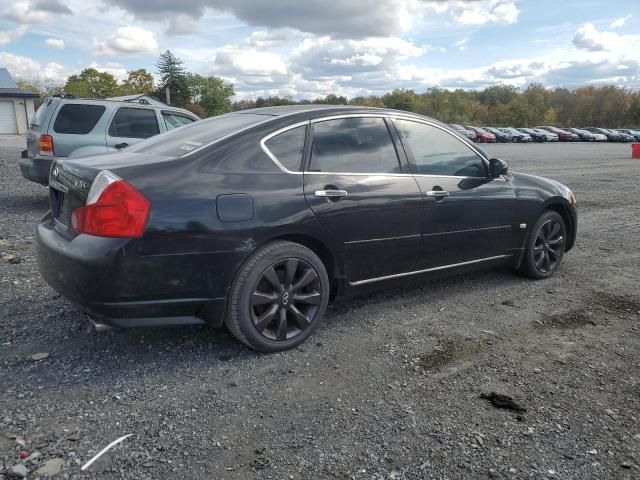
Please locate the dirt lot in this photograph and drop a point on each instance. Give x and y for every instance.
(389, 387)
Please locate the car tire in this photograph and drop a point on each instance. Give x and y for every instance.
(545, 246)
(278, 298)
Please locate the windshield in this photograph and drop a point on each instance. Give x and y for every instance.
(184, 140)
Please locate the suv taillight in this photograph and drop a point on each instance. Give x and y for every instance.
(113, 209)
(46, 145)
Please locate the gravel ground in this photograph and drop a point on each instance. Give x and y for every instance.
(388, 387)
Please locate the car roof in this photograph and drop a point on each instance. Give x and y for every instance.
(125, 103)
(291, 109)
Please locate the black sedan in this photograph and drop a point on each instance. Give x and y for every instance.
(536, 136)
(610, 134)
(256, 219)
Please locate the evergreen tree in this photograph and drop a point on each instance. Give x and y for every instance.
(174, 77)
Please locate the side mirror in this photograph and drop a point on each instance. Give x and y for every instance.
(497, 167)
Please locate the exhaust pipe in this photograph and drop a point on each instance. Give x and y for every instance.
(98, 326)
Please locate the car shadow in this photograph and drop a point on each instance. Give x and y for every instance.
(116, 355)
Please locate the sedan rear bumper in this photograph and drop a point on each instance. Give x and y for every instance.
(105, 278)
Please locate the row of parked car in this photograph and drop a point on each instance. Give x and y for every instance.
(545, 133)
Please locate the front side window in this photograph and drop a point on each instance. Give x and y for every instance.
(77, 119)
(437, 152)
(134, 123)
(287, 147)
(174, 120)
(354, 145)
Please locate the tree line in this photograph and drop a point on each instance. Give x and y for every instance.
(606, 106)
(500, 105)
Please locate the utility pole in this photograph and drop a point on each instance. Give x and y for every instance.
(168, 95)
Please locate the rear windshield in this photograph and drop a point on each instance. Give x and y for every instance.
(179, 142)
(77, 119)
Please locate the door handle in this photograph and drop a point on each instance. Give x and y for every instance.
(120, 146)
(331, 193)
(437, 193)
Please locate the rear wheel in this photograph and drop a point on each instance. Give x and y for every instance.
(278, 298)
(545, 246)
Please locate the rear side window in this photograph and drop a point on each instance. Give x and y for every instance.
(353, 145)
(134, 123)
(287, 147)
(36, 121)
(174, 120)
(77, 119)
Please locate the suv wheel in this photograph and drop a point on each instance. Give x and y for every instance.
(278, 298)
(545, 246)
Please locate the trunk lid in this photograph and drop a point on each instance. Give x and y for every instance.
(71, 179)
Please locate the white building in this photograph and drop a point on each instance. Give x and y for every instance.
(16, 105)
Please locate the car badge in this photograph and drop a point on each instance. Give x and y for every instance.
(55, 172)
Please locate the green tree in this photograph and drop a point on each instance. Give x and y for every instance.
(138, 81)
(174, 77)
(400, 99)
(550, 116)
(370, 101)
(211, 93)
(90, 83)
(332, 99)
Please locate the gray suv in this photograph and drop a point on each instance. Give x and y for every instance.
(66, 127)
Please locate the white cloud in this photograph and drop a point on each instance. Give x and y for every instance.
(8, 36)
(588, 37)
(461, 44)
(235, 60)
(476, 12)
(24, 67)
(267, 39)
(128, 41)
(619, 22)
(54, 42)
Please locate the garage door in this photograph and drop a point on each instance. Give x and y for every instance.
(7, 118)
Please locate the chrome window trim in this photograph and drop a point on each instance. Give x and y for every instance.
(273, 158)
(351, 115)
(427, 270)
(389, 116)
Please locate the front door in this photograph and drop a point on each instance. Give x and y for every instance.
(468, 215)
(356, 185)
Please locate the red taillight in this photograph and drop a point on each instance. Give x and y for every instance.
(118, 211)
(46, 145)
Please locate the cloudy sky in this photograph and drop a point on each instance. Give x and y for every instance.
(310, 48)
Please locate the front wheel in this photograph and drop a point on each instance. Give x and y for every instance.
(278, 298)
(545, 246)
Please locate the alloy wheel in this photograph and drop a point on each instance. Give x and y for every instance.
(549, 246)
(286, 299)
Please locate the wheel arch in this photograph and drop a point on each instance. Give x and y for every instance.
(323, 251)
(562, 207)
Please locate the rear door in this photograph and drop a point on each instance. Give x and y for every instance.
(363, 195)
(129, 125)
(467, 214)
